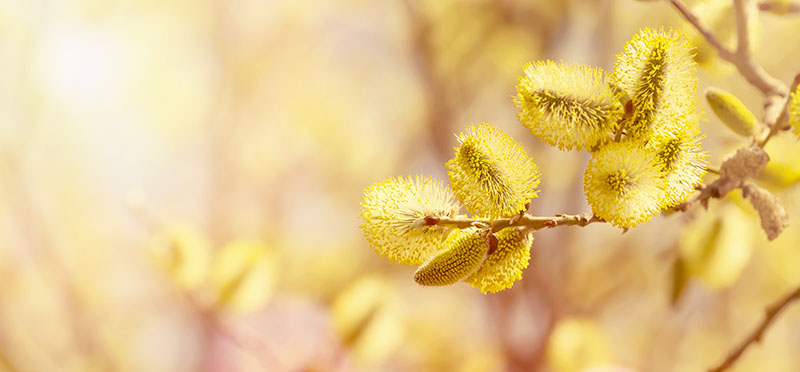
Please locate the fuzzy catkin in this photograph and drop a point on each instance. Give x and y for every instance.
(657, 71)
(504, 266)
(623, 183)
(464, 253)
(567, 106)
(394, 212)
(491, 173)
(732, 112)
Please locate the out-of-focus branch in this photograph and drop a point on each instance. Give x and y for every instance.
(687, 13)
(741, 58)
(776, 98)
(32, 225)
(744, 59)
(783, 117)
(790, 7)
(776, 101)
(439, 112)
(742, 29)
(757, 334)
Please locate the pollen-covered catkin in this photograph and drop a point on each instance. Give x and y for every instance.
(794, 111)
(732, 112)
(623, 183)
(680, 157)
(504, 266)
(657, 71)
(567, 106)
(466, 250)
(394, 212)
(490, 172)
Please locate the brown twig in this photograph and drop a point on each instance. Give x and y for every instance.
(439, 111)
(741, 58)
(531, 222)
(742, 29)
(782, 117)
(705, 192)
(687, 13)
(792, 7)
(757, 334)
(744, 62)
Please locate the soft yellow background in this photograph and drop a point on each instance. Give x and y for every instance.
(149, 149)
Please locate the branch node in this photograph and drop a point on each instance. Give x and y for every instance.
(431, 220)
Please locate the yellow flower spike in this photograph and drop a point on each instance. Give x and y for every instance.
(623, 183)
(576, 344)
(732, 112)
(466, 250)
(794, 112)
(243, 275)
(567, 106)
(368, 319)
(504, 266)
(184, 253)
(491, 174)
(657, 71)
(717, 246)
(394, 212)
(680, 157)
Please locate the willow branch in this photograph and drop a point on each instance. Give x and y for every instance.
(522, 220)
(752, 72)
(776, 93)
(742, 29)
(741, 58)
(687, 13)
(783, 117)
(757, 334)
(792, 7)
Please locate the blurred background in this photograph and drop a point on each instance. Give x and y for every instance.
(180, 184)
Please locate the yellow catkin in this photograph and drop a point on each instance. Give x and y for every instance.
(732, 112)
(184, 253)
(657, 71)
(794, 111)
(466, 250)
(491, 174)
(567, 105)
(394, 212)
(680, 157)
(623, 183)
(505, 265)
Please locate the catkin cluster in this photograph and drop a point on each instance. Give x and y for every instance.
(491, 177)
(638, 123)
